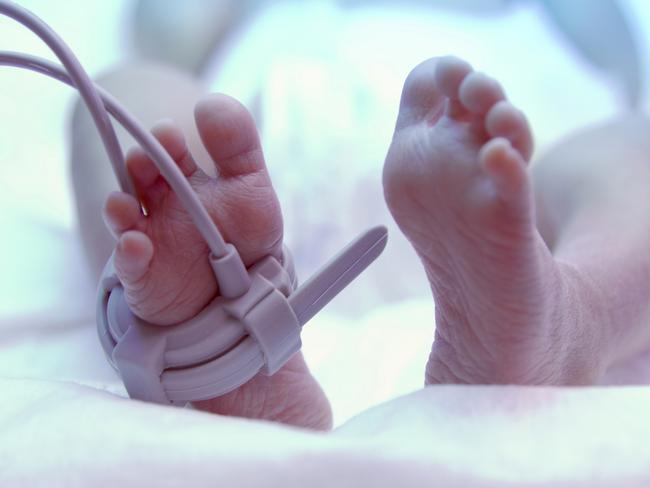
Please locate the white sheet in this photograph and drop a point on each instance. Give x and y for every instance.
(57, 434)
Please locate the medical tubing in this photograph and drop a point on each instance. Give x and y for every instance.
(80, 80)
(226, 263)
(168, 169)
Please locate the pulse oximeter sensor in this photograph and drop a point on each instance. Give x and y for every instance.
(254, 324)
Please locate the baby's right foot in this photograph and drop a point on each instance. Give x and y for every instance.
(456, 182)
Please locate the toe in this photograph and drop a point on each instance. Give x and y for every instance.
(421, 98)
(142, 169)
(172, 139)
(478, 93)
(504, 120)
(149, 184)
(229, 135)
(121, 213)
(450, 73)
(133, 255)
(506, 168)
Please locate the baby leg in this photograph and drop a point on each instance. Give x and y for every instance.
(593, 203)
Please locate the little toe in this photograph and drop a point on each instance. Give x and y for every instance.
(506, 168)
(133, 255)
(121, 213)
(478, 92)
(230, 136)
(504, 120)
(172, 139)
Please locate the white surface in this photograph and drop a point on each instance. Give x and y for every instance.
(67, 435)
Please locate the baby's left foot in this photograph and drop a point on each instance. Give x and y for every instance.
(162, 260)
(456, 181)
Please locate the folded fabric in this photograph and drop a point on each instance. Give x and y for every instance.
(62, 434)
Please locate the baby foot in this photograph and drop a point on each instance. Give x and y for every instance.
(162, 260)
(456, 182)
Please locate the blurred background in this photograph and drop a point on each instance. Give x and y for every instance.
(323, 79)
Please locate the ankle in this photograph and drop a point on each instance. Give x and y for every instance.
(292, 396)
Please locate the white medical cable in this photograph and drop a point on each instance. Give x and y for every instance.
(80, 80)
(150, 144)
(227, 265)
(259, 311)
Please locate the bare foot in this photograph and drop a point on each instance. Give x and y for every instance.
(162, 260)
(457, 183)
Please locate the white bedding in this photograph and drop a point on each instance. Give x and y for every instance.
(60, 426)
(61, 434)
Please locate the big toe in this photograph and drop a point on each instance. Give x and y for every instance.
(230, 135)
(251, 220)
(427, 88)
